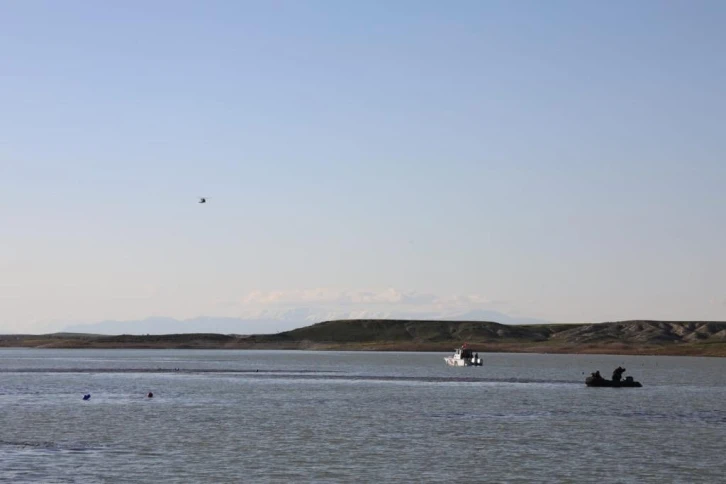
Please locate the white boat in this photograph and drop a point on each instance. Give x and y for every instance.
(463, 357)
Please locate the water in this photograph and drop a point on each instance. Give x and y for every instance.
(278, 416)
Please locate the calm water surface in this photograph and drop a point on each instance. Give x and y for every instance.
(278, 416)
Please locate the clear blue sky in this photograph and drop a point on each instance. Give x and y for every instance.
(561, 160)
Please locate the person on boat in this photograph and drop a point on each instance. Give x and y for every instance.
(597, 375)
(618, 373)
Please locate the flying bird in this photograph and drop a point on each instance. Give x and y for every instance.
(202, 200)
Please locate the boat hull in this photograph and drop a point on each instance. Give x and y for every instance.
(601, 382)
(451, 361)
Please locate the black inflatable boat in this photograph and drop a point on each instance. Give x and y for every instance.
(592, 381)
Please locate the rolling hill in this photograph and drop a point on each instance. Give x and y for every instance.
(706, 338)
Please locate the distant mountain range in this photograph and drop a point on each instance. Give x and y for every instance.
(203, 324)
(273, 322)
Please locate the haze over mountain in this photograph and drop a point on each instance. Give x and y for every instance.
(273, 323)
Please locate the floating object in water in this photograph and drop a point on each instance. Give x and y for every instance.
(463, 357)
(593, 381)
(87, 396)
(150, 395)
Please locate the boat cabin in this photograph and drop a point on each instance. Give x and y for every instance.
(464, 353)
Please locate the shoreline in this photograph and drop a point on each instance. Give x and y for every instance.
(636, 337)
(714, 350)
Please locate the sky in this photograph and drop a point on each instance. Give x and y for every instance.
(558, 160)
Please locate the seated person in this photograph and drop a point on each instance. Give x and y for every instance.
(618, 373)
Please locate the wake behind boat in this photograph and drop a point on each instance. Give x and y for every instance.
(463, 357)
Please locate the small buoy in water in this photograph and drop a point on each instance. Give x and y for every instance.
(87, 396)
(150, 395)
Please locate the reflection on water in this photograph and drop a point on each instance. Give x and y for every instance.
(231, 416)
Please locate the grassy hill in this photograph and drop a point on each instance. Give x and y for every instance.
(705, 338)
(652, 337)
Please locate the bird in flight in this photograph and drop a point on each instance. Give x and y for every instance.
(202, 200)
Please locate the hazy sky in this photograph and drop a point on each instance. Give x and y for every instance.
(559, 160)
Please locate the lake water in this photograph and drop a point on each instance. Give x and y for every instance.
(295, 416)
